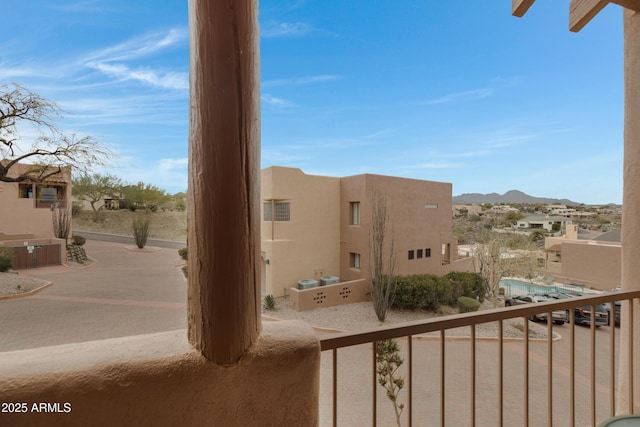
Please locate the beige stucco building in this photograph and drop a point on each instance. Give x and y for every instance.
(595, 263)
(318, 226)
(26, 222)
(25, 208)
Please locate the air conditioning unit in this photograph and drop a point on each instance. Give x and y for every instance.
(329, 280)
(307, 284)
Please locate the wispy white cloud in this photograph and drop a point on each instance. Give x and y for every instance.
(437, 165)
(463, 96)
(276, 102)
(284, 29)
(168, 80)
(139, 47)
(111, 61)
(322, 78)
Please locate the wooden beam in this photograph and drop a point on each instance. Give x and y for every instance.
(629, 4)
(224, 178)
(582, 11)
(520, 7)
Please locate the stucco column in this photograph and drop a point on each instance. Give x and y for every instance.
(224, 167)
(631, 207)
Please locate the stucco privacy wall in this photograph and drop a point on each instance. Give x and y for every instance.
(591, 264)
(160, 380)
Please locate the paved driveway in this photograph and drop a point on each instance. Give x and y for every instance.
(126, 292)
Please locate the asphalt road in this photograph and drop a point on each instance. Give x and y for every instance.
(114, 238)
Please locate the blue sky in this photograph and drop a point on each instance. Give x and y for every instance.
(455, 91)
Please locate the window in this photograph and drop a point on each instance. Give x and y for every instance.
(277, 211)
(431, 206)
(25, 191)
(427, 253)
(419, 253)
(355, 213)
(411, 254)
(354, 260)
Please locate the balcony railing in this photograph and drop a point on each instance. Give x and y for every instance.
(568, 377)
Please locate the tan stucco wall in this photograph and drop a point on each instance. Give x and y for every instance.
(159, 380)
(414, 226)
(307, 246)
(597, 266)
(330, 295)
(20, 215)
(630, 206)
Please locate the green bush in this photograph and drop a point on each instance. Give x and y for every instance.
(78, 240)
(466, 304)
(6, 259)
(465, 284)
(183, 253)
(420, 292)
(429, 292)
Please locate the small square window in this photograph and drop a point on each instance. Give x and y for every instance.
(419, 253)
(354, 260)
(411, 254)
(427, 253)
(277, 211)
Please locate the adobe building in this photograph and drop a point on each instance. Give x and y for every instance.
(318, 226)
(26, 217)
(594, 263)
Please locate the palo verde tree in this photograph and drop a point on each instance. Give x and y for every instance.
(142, 195)
(95, 187)
(382, 258)
(50, 150)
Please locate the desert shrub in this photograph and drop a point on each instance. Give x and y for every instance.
(269, 302)
(6, 259)
(61, 218)
(464, 284)
(420, 292)
(183, 253)
(184, 271)
(78, 240)
(141, 226)
(75, 209)
(466, 304)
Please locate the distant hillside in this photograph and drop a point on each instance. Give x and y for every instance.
(513, 196)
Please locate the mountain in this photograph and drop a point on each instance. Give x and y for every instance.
(512, 196)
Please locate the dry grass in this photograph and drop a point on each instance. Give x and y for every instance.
(164, 225)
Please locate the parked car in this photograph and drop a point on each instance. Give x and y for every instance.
(582, 314)
(558, 316)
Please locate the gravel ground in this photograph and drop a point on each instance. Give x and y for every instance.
(360, 316)
(11, 284)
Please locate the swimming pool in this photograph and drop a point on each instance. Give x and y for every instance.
(513, 287)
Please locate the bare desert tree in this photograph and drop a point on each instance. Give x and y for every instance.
(381, 265)
(50, 150)
(496, 257)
